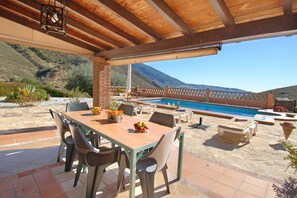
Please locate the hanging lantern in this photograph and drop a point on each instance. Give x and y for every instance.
(53, 16)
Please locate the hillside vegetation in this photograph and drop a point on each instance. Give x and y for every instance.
(284, 92)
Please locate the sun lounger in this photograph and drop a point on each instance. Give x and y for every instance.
(248, 128)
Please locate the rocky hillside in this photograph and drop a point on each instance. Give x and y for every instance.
(284, 92)
(52, 68)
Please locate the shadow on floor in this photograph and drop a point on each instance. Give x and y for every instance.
(226, 142)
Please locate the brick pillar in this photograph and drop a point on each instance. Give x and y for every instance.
(167, 91)
(207, 96)
(101, 82)
(269, 100)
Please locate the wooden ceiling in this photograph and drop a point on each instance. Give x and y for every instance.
(121, 29)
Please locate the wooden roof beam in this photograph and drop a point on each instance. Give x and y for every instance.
(36, 17)
(78, 25)
(103, 23)
(277, 26)
(113, 6)
(287, 6)
(35, 26)
(164, 10)
(223, 12)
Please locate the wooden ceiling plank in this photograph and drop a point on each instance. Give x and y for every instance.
(36, 17)
(35, 26)
(164, 10)
(287, 6)
(116, 8)
(79, 25)
(223, 12)
(103, 23)
(286, 25)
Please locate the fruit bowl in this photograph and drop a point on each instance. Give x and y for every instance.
(96, 110)
(140, 127)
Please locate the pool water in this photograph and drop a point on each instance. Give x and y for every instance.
(207, 107)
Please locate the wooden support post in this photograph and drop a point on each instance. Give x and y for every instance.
(101, 82)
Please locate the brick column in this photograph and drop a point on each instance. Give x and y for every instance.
(101, 82)
(167, 91)
(269, 100)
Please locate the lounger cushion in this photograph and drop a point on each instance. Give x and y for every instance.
(236, 126)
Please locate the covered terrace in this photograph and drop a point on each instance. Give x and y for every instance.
(118, 32)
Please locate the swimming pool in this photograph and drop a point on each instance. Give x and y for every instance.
(208, 107)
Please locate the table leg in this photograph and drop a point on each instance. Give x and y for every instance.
(180, 156)
(132, 162)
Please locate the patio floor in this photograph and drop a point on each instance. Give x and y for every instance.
(28, 169)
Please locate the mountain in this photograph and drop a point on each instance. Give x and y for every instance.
(52, 68)
(284, 92)
(162, 80)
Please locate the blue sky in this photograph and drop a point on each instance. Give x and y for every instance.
(256, 65)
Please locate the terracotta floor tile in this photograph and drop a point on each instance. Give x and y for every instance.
(215, 167)
(240, 194)
(77, 192)
(29, 188)
(33, 195)
(7, 185)
(201, 181)
(51, 191)
(8, 194)
(235, 174)
(229, 181)
(252, 189)
(222, 190)
(270, 194)
(183, 190)
(6, 139)
(256, 181)
(23, 181)
(210, 174)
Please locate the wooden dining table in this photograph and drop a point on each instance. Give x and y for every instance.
(124, 135)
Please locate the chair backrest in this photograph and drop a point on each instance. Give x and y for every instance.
(51, 112)
(162, 150)
(163, 119)
(82, 145)
(128, 109)
(77, 106)
(62, 127)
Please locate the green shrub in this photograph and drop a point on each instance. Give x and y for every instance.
(75, 95)
(7, 87)
(117, 79)
(27, 96)
(289, 188)
(81, 78)
(28, 81)
(55, 92)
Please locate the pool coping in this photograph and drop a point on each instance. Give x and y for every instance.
(262, 119)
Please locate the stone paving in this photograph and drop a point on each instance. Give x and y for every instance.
(211, 162)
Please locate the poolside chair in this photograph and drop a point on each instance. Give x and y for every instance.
(96, 159)
(129, 109)
(147, 108)
(152, 163)
(77, 106)
(163, 119)
(62, 128)
(247, 127)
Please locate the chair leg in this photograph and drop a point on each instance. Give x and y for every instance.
(61, 150)
(150, 182)
(121, 174)
(166, 178)
(93, 181)
(143, 183)
(78, 171)
(70, 154)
